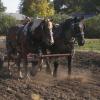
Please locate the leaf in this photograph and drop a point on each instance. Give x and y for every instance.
(35, 96)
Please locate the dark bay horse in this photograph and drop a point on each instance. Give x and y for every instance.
(33, 42)
(64, 36)
(20, 44)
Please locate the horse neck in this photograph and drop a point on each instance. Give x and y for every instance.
(64, 32)
(37, 34)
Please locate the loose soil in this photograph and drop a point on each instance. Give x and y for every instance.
(84, 83)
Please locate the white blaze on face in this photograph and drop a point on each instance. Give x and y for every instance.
(51, 36)
(36, 23)
(81, 27)
(50, 26)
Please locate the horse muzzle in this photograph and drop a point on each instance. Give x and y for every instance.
(81, 43)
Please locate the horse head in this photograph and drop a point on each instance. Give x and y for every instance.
(78, 31)
(48, 32)
(40, 31)
(73, 28)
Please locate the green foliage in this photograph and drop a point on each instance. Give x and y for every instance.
(26, 7)
(40, 8)
(2, 8)
(77, 6)
(58, 18)
(44, 9)
(90, 45)
(93, 27)
(6, 22)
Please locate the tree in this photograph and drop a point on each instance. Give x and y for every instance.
(36, 8)
(77, 5)
(6, 21)
(97, 5)
(44, 9)
(26, 7)
(58, 4)
(2, 8)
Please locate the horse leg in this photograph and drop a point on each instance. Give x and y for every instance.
(9, 69)
(34, 68)
(48, 69)
(69, 65)
(18, 62)
(40, 64)
(55, 68)
(26, 68)
(1, 63)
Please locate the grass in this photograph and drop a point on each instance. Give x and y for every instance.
(90, 45)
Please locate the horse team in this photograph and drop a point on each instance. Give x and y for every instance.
(37, 40)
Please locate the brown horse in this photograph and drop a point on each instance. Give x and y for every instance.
(36, 41)
(20, 44)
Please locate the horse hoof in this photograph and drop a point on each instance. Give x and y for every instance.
(28, 76)
(20, 75)
(40, 69)
(10, 74)
(54, 75)
(20, 78)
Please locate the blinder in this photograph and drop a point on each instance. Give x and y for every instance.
(76, 29)
(77, 33)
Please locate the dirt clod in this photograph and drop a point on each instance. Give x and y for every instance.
(84, 83)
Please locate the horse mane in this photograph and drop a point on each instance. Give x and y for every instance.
(66, 24)
(63, 27)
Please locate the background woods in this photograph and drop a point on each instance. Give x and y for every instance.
(59, 10)
(36, 8)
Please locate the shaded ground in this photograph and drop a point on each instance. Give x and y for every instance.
(83, 85)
